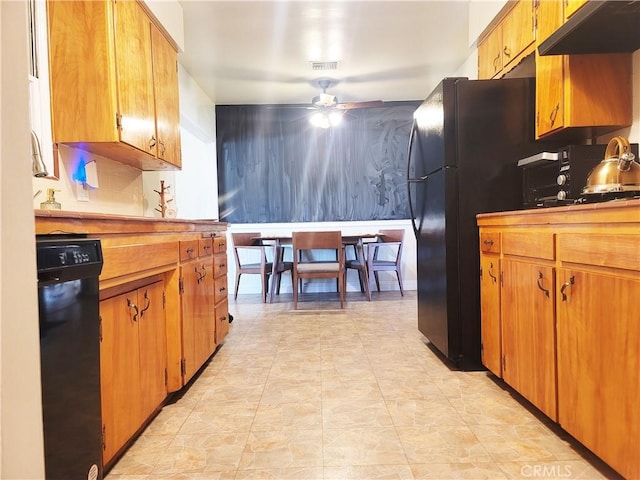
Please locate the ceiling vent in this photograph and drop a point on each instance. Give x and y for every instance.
(324, 65)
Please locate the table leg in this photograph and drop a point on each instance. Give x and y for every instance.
(274, 269)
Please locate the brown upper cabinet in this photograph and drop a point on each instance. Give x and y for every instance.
(572, 6)
(579, 96)
(509, 42)
(114, 83)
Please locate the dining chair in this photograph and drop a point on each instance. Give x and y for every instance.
(254, 261)
(359, 264)
(304, 266)
(386, 255)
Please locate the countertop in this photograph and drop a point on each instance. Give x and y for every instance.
(61, 221)
(614, 211)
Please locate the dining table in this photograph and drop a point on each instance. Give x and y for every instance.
(356, 240)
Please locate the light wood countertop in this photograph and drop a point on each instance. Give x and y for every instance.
(60, 221)
(615, 211)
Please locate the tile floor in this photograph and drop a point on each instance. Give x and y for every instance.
(321, 393)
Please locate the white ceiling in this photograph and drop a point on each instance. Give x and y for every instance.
(260, 52)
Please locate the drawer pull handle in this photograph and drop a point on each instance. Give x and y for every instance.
(132, 305)
(148, 304)
(540, 277)
(493, 277)
(222, 289)
(506, 51)
(190, 250)
(488, 242)
(207, 247)
(564, 286)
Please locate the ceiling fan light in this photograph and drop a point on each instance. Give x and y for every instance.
(335, 118)
(320, 119)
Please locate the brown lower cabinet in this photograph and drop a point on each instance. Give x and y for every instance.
(163, 310)
(568, 320)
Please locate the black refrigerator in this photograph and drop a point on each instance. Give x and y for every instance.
(466, 139)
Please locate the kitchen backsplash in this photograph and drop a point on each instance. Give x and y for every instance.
(120, 188)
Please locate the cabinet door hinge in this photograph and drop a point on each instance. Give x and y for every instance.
(104, 444)
(166, 377)
(480, 273)
(118, 121)
(501, 278)
(183, 367)
(504, 364)
(100, 331)
(181, 285)
(164, 300)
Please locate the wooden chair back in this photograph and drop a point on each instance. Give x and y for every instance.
(307, 241)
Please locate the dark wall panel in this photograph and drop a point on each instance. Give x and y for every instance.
(274, 166)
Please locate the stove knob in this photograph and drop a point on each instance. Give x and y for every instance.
(562, 195)
(562, 179)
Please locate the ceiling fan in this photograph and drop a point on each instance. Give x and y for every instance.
(329, 110)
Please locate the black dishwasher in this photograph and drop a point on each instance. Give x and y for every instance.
(68, 302)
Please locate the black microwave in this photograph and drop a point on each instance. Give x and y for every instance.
(557, 178)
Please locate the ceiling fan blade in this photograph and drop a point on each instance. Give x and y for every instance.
(354, 105)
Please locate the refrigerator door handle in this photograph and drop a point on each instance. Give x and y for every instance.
(410, 180)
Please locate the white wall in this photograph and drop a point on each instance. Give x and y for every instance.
(21, 442)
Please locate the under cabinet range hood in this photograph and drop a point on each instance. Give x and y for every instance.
(611, 26)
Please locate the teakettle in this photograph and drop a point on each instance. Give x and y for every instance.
(618, 172)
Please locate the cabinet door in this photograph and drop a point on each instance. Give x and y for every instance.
(528, 332)
(550, 15)
(598, 365)
(81, 71)
(549, 94)
(134, 75)
(572, 6)
(189, 304)
(119, 372)
(490, 54)
(517, 31)
(206, 317)
(165, 79)
(153, 348)
(198, 315)
(490, 312)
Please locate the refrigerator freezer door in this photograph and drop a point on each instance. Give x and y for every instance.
(438, 293)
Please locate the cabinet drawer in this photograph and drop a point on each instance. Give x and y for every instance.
(128, 259)
(529, 244)
(222, 321)
(490, 242)
(219, 265)
(188, 249)
(220, 289)
(220, 244)
(616, 251)
(205, 247)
